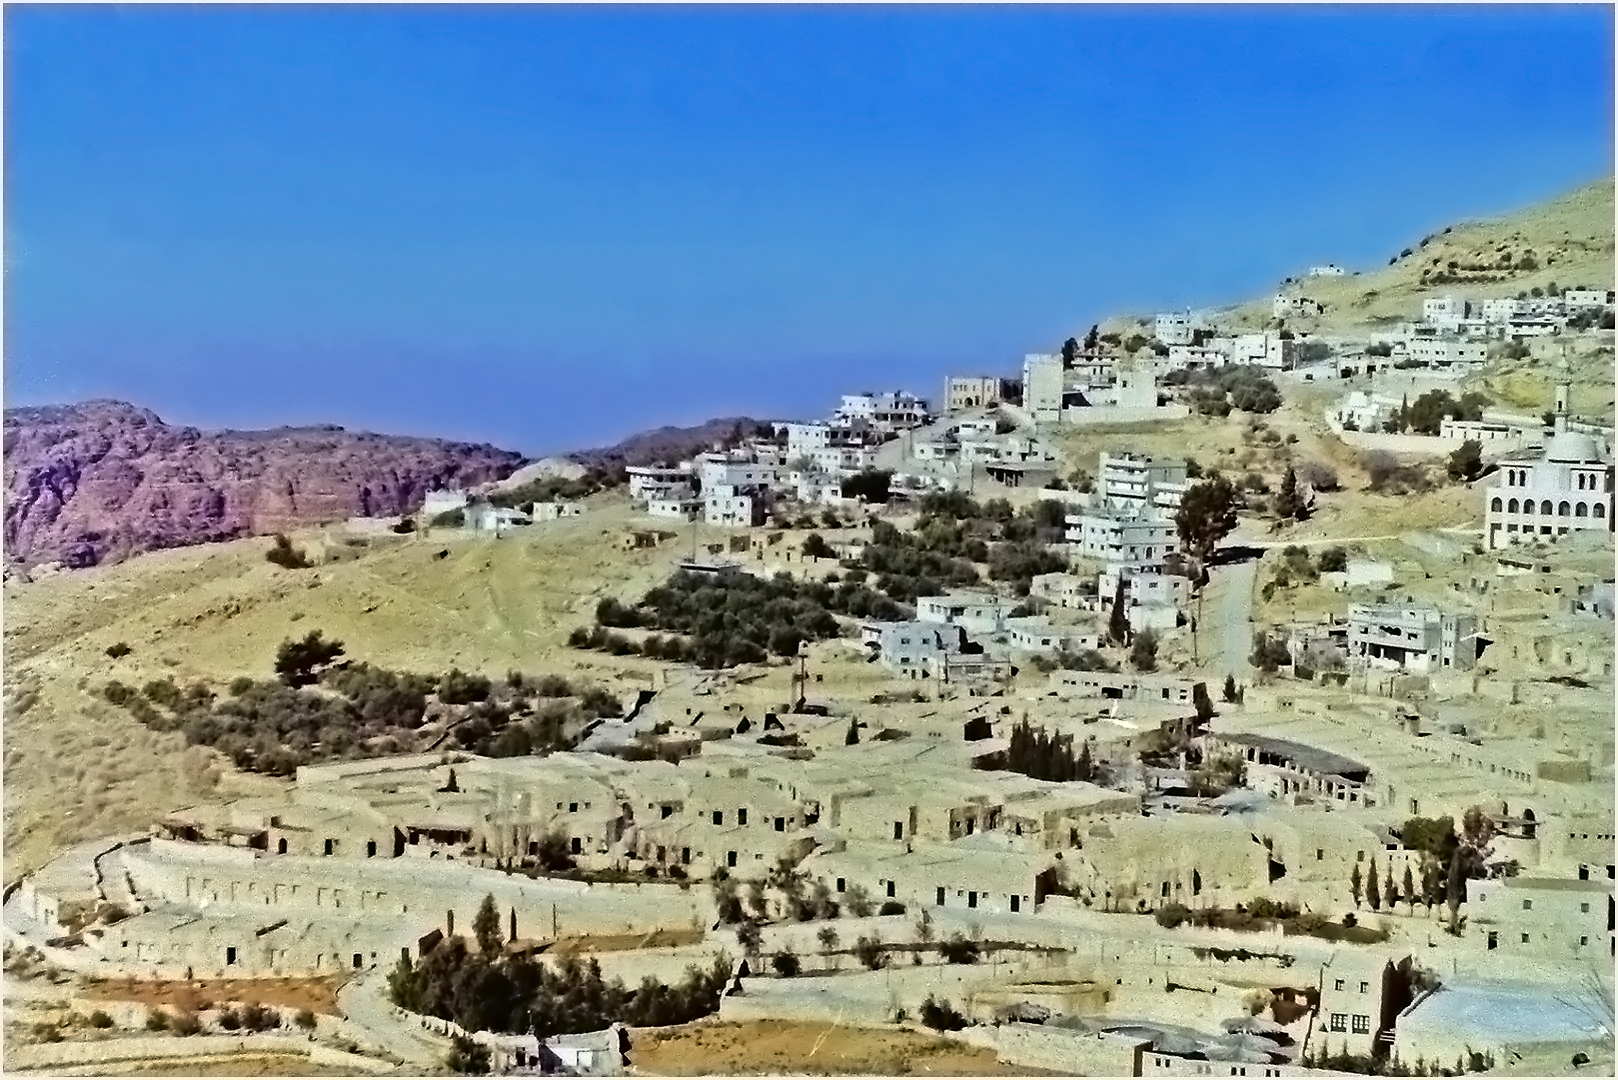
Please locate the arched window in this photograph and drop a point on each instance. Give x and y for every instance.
(1581, 481)
(1528, 506)
(1511, 507)
(1545, 507)
(1600, 511)
(1495, 506)
(1563, 509)
(1580, 510)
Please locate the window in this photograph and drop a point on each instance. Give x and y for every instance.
(685, 855)
(370, 849)
(331, 846)
(1362, 1024)
(718, 817)
(730, 858)
(840, 885)
(780, 824)
(898, 830)
(1320, 854)
(1584, 941)
(971, 899)
(741, 817)
(1584, 909)
(1525, 939)
(573, 808)
(1016, 903)
(892, 886)
(1339, 1021)
(1341, 984)
(668, 811)
(1365, 988)
(1527, 905)
(939, 901)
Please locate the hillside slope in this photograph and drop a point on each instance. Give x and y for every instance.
(104, 480)
(1567, 242)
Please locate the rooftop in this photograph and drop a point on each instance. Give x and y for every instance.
(1306, 757)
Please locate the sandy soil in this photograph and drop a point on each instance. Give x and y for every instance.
(317, 995)
(780, 1047)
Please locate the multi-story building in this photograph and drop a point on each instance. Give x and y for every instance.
(1443, 312)
(894, 410)
(1267, 350)
(1143, 538)
(734, 505)
(1174, 328)
(1558, 918)
(1135, 481)
(1587, 298)
(1042, 387)
(964, 392)
(1412, 639)
(1500, 311)
(1064, 590)
(978, 613)
(1566, 488)
(1440, 352)
(658, 482)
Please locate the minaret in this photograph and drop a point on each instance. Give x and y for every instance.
(1561, 407)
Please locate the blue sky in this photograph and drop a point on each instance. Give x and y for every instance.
(548, 227)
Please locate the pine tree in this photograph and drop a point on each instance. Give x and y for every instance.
(1410, 889)
(1230, 689)
(1356, 884)
(1373, 888)
(853, 737)
(1387, 888)
(1086, 765)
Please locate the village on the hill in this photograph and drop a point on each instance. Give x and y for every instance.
(1224, 693)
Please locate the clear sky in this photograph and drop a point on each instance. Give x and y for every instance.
(548, 227)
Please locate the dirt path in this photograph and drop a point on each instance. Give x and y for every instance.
(1232, 624)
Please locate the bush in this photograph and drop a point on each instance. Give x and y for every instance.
(284, 555)
(891, 907)
(1172, 914)
(185, 1023)
(786, 963)
(119, 650)
(1334, 560)
(117, 693)
(959, 949)
(99, 1019)
(157, 1020)
(467, 1058)
(305, 1019)
(258, 1017)
(240, 685)
(870, 952)
(229, 1019)
(941, 1015)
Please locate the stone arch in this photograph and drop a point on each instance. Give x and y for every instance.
(1512, 506)
(1563, 509)
(1600, 510)
(1495, 505)
(1581, 510)
(1545, 507)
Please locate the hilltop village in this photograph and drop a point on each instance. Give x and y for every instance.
(1032, 717)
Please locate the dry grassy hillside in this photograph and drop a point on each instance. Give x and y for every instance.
(218, 611)
(1569, 240)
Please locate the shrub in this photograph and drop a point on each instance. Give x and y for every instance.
(891, 907)
(786, 963)
(258, 1017)
(240, 685)
(185, 1023)
(229, 1020)
(959, 949)
(117, 693)
(305, 1019)
(119, 650)
(1172, 914)
(941, 1015)
(284, 555)
(1334, 560)
(870, 952)
(466, 1057)
(99, 1019)
(157, 1020)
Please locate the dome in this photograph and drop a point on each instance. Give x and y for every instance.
(1572, 447)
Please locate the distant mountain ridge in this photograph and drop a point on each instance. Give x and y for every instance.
(103, 480)
(670, 444)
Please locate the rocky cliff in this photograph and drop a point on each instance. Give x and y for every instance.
(102, 480)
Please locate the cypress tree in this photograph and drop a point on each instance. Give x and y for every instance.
(1373, 888)
(1356, 884)
(1410, 889)
(853, 737)
(1387, 888)
(1118, 622)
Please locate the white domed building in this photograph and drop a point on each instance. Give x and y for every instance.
(1566, 487)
